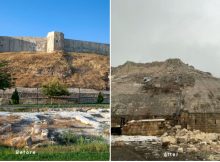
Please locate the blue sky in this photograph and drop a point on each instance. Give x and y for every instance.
(87, 20)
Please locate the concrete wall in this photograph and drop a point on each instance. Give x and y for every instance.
(86, 47)
(16, 44)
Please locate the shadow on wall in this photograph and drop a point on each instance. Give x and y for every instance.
(17, 44)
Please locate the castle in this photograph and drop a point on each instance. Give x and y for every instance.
(54, 41)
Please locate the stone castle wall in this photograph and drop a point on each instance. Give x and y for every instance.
(55, 41)
(16, 44)
(85, 47)
(144, 127)
(206, 122)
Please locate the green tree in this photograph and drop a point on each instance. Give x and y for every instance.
(15, 97)
(5, 77)
(54, 88)
(100, 98)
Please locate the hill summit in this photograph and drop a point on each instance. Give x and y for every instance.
(146, 90)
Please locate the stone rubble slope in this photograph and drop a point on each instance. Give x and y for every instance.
(162, 89)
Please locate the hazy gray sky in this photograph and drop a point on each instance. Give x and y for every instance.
(155, 30)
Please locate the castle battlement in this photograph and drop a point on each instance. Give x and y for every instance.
(54, 41)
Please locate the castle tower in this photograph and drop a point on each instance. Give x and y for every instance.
(55, 41)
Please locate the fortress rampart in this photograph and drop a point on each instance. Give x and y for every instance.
(53, 42)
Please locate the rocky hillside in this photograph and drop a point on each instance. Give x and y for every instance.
(162, 88)
(75, 69)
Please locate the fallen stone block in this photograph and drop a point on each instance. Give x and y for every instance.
(182, 139)
(168, 139)
(180, 150)
(191, 149)
(178, 126)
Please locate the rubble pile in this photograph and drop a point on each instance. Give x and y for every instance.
(183, 140)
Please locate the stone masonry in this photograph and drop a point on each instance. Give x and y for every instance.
(147, 127)
(53, 42)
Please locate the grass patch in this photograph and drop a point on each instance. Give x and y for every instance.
(70, 147)
(82, 156)
(91, 151)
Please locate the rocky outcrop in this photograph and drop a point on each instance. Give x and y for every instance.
(20, 141)
(5, 128)
(34, 129)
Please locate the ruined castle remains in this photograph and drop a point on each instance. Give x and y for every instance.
(170, 90)
(54, 41)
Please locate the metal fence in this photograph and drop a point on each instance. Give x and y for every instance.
(34, 96)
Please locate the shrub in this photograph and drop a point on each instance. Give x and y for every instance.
(6, 81)
(100, 98)
(15, 97)
(54, 88)
(67, 138)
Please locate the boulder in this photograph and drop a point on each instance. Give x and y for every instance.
(191, 149)
(173, 148)
(212, 136)
(178, 126)
(204, 143)
(180, 150)
(165, 134)
(168, 140)
(182, 132)
(197, 137)
(194, 140)
(196, 131)
(182, 139)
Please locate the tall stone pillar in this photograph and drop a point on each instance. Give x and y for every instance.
(55, 41)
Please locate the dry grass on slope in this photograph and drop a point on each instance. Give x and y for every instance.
(75, 69)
